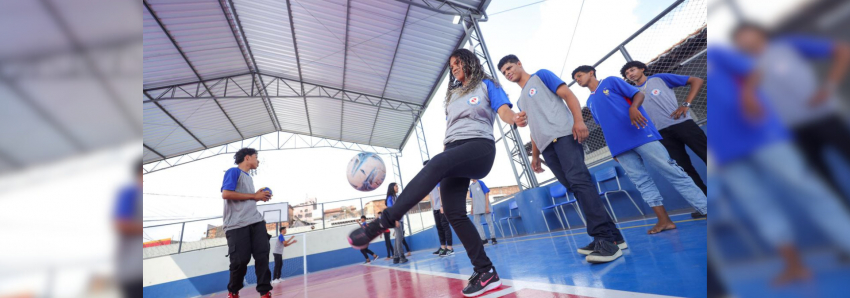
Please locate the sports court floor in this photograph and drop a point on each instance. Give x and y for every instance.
(672, 263)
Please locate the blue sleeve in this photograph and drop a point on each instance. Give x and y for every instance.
(484, 187)
(673, 80)
(231, 178)
(126, 207)
(389, 201)
(811, 47)
(497, 96)
(622, 87)
(731, 61)
(550, 80)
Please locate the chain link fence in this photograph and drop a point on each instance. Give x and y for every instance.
(675, 42)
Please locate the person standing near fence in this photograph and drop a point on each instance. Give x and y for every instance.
(557, 131)
(392, 195)
(278, 253)
(366, 251)
(244, 226)
(633, 142)
(128, 224)
(387, 240)
(673, 120)
(480, 195)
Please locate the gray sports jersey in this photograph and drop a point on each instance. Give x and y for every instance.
(660, 102)
(435, 198)
(790, 82)
(548, 115)
(239, 214)
(478, 198)
(470, 116)
(278, 246)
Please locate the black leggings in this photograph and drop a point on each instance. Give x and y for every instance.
(443, 228)
(366, 253)
(461, 161)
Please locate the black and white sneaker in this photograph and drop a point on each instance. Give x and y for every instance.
(439, 251)
(604, 251)
(450, 252)
(587, 249)
(494, 241)
(484, 242)
(698, 215)
(482, 282)
(360, 237)
(404, 260)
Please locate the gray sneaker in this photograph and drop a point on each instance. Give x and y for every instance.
(604, 252)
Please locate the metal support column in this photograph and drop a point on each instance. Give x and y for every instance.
(423, 144)
(516, 149)
(625, 53)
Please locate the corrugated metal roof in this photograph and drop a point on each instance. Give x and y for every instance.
(360, 61)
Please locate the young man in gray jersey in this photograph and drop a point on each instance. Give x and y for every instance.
(673, 120)
(557, 131)
(480, 195)
(244, 226)
(278, 253)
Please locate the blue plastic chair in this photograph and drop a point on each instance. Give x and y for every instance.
(511, 207)
(608, 174)
(558, 190)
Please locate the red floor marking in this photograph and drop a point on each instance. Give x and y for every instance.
(364, 281)
(531, 293)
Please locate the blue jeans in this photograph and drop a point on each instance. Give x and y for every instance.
(655, 156)
(779, 169)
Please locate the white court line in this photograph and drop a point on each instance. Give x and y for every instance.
(519, 285)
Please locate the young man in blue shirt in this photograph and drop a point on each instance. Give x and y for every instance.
(244, 226)
(634, 142)
(672, 119)
(557, 131)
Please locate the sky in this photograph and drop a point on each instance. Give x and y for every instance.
(538, 34)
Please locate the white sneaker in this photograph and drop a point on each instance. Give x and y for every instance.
(276, 281)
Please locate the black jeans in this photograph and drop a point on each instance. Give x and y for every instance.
(566, 160)
(242, 243)
(812, 138)
(443, 228)
(676, 137)
(132, 289)
(278, 265)
(453, 168)
(388, 242)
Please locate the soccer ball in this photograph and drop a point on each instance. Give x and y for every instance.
(366, 171)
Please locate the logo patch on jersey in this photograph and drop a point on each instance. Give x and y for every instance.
(532, 92)
(656, 92)
(473, 101)
(605, 92)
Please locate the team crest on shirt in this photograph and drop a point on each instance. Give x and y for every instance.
(655, 92)
(532, 92)
(605, 91)
(473, 101)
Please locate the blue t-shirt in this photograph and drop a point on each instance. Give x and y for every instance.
(390, 201)
(671, 80)
(810, 47)
(126, 208)
(733, 136)
(609, 105)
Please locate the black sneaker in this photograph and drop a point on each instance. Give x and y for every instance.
(482, 282)
(587, 249)
(439, 251)
(360, 238)
(444, 252)
(484, 242)
(494, 241)
(403, 261)
(698, 215)
(451, 252)
(395, 260)
(604, 252)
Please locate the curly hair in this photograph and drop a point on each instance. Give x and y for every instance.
(631, 64)
(472, 71)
